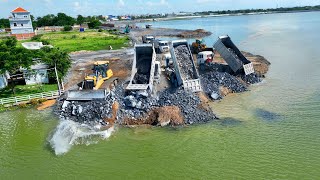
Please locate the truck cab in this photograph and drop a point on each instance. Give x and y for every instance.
(148, 39)
(162, 46)
(205, 57)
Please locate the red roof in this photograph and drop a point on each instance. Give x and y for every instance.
(19, 10)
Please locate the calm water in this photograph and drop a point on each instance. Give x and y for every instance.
(271, 132)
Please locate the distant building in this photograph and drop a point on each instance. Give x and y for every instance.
(112, 18)
(125, 17)
(21, 24)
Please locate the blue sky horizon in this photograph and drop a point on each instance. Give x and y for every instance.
(122, 7)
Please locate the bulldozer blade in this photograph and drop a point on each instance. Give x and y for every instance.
(86, 95)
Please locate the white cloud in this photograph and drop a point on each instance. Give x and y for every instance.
(121, 3)
(76, 4)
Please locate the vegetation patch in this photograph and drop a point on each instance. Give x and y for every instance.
(90, 40)
(21, 90)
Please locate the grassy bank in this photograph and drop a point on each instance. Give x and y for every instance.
(89, 40)
(21, 90)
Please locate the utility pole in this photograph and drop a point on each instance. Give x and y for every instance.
(55, 69)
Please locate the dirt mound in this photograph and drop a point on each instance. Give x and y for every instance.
(161, 116)
(195, 33)
(112, 120)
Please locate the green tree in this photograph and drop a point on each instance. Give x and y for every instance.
(34, 22)
(67, 28)
(94, 24)
(12, 58)
(54, 57)
(47, 20)
(4, 23)
(80, 19)
(63, 20)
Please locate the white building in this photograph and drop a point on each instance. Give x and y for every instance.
(21, 24)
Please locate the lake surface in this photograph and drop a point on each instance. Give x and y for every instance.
(270, 132)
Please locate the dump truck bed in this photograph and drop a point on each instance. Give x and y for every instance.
(142, 74)
(232, 55)
(185, 69)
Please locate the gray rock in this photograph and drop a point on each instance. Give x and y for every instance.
(215, 96)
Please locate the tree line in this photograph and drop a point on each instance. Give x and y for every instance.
(281, 9)
(61, 19)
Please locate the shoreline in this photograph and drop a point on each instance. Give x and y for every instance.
(214, 15)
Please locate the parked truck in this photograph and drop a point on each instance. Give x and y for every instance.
(148, 39)
(185, 71)
(161, 46)
(143, 68)
(232, 55)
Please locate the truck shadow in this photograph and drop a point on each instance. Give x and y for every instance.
(266, 115)
(229, 121)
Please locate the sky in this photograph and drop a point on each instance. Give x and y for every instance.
(121, 7)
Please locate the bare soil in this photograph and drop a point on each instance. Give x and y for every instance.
(136, 34)
(160, 116)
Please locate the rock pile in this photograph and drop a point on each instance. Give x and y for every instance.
(135, 105)
(189, 104)
(88, 112)
(251, 78)
(185, 62)
(211, 81)
(140, 79)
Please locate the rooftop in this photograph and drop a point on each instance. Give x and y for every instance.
(19, 10)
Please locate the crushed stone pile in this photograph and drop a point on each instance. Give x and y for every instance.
(251, 78)
(211, 81)
(140, 79)
(87, 112)
(185, 62)
(189, 104)
(134, 105)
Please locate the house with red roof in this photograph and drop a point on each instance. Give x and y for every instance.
(21, 24)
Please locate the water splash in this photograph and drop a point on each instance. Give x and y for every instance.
(69, 133)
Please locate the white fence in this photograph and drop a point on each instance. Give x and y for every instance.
(27, 98)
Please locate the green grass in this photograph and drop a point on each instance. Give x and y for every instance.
(90, 40)
(21, 90)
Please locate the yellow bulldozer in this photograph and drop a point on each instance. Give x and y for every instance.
(199, 46)
(94, 86)
(101, 73)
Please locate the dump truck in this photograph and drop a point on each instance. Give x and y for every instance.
(148, 39)
(143, 68)
(185, 71)
(232, 55)
(161, 46)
